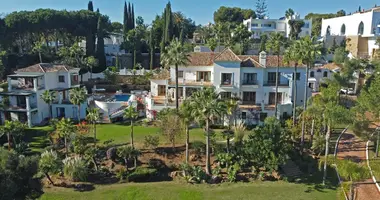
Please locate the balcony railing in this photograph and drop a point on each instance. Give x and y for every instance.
(226, 83)
(250, 82)
(273, 83)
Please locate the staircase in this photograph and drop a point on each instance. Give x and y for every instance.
(290, 169)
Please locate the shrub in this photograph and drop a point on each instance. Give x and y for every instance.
(232, 172)
(49, 163)
(111, 153)
(75, 168)
(156, 163)
(197, 175)
(142, 174)
(198, 147)
(151, 141)
(121, 174)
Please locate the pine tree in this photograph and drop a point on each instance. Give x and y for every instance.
(90, 6)
(261, 9)
(100, 45)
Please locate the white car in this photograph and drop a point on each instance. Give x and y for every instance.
(348, 91)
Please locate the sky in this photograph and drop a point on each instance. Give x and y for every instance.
(201, 11)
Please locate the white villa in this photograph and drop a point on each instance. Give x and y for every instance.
(251, 78)
(359, 29)
(26, 86)
(319, 74)
(267, 26)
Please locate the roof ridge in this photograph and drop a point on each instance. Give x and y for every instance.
(227, 49)
(43, 70)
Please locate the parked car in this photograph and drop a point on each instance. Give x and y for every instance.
(348, 91)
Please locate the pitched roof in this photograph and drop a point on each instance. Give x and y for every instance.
(227, 55)
(45, 67)
(201, 59)
(250, 62)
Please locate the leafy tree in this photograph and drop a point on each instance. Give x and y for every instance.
(151, 141)
(233, 15)
(340, 55)
(341, 13)
(289, 13)
(206, 106)
(131, 114)
(212, 44)
(268, 145)
(49, 164)
(242, 35)
(133, 42)
(111, 74)
(263, 42)
(171, 127)
(17, 175)
(127, 153)
(275, 43)
(116, 27)
(2, 67)
(91, 153)
(93, 117)
(187, 118)
(75, 168)
(295, 28)
(90, 6)
(78, 97)
(261, 9)
(48, 97)
(175, 55)
(13, 130)
(66, 129)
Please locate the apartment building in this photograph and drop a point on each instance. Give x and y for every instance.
(267, 26)
(22, 100)
(251, 78)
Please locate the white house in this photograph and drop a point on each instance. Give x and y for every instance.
(360, 30)
(111, 44)
(250, 78)
(319, 74)
(26, 86)
(267, 26)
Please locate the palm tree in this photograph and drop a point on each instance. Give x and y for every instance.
(274, 44)
(78, 97)
(131, 114)
(309, 51)
(187, 118)
(292, 55)
(11, 128)
(289, 13)
(65, 129)
(49, 163)
(127, 153)
(91, 62)
(93, 117)
(175, 55)
(206, 106)
(48, 97)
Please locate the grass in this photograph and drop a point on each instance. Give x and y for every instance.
(373, 161)
(173, 191)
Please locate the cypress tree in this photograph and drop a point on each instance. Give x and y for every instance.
(133, 17)
(117, 64)
(168, 27)
(151, 48)
(97, 10)
(100, 46)
(130, 22)
(90, 6)
(125, 20)
(162, 44)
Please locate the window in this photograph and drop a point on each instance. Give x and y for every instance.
(226, 79)
(61, 79)
(325, 74)
(298, 76)
(343, 30)
(272, 78)
(272, 98)
(312, 74)
(205, 76)
(255, 25)
(263, 116)
(225, 95)
(249, 97)
(249, 78)
(243, 115)
(180, 74)
(361, 28)
(266, 25)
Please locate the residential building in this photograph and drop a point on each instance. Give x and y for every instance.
(359, 30)
(250, 78)
(319, 74)
(111, 44)
(267, 26)
(23, 101)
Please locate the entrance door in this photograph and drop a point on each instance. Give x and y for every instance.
(161, 90)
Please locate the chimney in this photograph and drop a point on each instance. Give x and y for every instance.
(263, 58)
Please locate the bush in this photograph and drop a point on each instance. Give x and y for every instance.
(142, 174)
(232, 172)
(198, 147)
(121, 174)
(151, 141)
(75, 168)
(196, 175)
(156, 163)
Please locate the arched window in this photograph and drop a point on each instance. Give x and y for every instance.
(312, 74)
(328, 31)
(343, 30)
(325, 74)
(361, 28)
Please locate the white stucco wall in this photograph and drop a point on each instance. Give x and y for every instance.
(190, 73)
(227, 68)
(154, 86)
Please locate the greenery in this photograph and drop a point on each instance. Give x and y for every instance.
(75, 168)
(151, 141)
(233, 15)
(49, 164)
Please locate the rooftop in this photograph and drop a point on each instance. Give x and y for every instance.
(45, 67)
(24, 76)
(15, 93)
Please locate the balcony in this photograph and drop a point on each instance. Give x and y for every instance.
(250, 82)
(191, 83)
(280, 83)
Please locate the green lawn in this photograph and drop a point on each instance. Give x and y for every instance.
(181, 191)
(373, 161)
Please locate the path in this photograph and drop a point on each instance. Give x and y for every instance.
(351, 147)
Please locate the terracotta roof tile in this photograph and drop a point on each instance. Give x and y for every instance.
(45, 67)
(227, 55)
(201, 59)
(250, 62)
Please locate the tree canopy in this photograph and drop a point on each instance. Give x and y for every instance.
(233, 14)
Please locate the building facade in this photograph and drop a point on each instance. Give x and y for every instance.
(359, 30)
(250, 78)
(23, 102)
(267, 26)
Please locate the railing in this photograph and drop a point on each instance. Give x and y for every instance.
(226, 83)
(273, 83)
(250, 82)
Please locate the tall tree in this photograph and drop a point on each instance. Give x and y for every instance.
(66, 129)
(187, 119)
(289, 13)
(78, 97)
(48, 97)
(261, 9)
(151, 48)
(90, 6)
(176, 56)
(310, 50)
(11, 129)
(131, 114)
(295, 28)
(93, 117)
(168, 27)
(275, 43)
(100, 54)
(206, 105)
(242, 35)
(233, 15)
(90, 37)
(125, 19)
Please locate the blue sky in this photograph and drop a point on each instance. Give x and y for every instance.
(199, 10)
